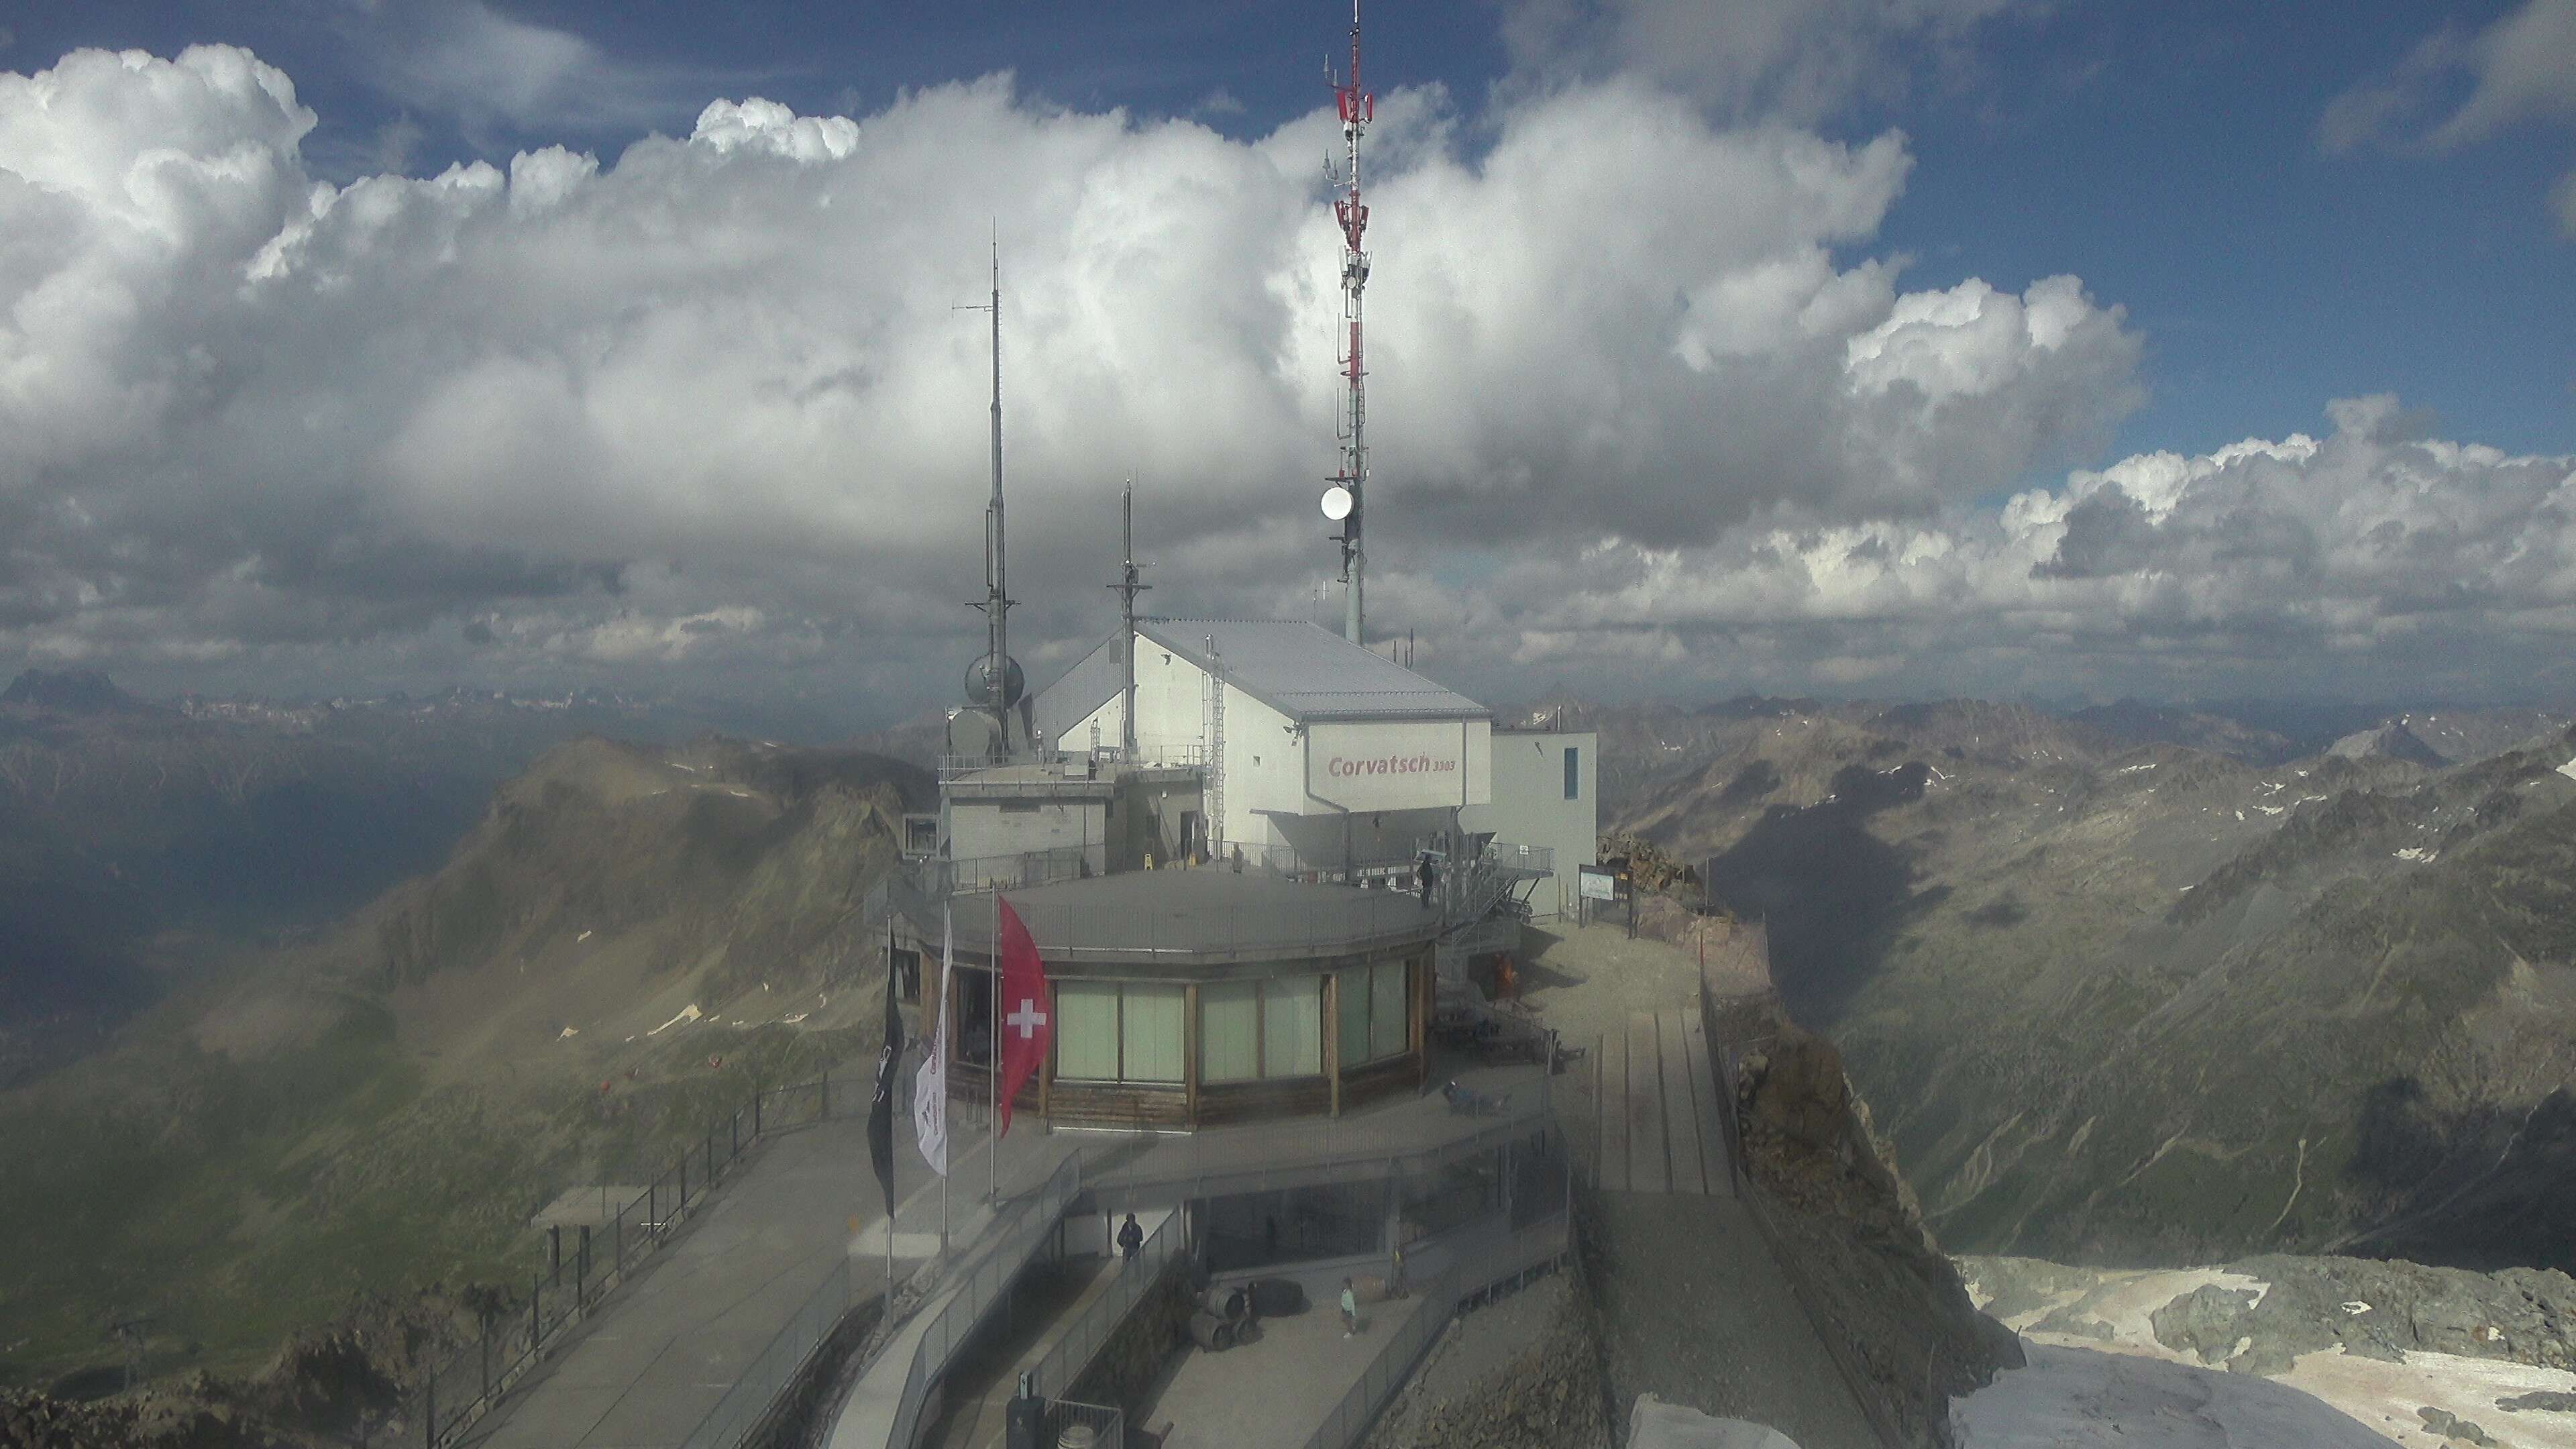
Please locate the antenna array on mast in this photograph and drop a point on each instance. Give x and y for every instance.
(1128, 588)
(999, 686)
(1343, 501)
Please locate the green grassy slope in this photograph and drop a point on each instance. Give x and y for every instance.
(382, 1110)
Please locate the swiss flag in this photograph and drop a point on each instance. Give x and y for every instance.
(1028, 1012)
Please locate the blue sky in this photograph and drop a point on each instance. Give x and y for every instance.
(1886, 345)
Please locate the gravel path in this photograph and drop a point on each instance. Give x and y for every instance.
(1587, 980)
(1472, 1349)
(1694, 1309)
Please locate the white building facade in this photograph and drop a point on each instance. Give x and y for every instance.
(1310, 743)
(1546, 791)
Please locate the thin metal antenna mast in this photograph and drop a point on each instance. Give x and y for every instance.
(1128, 589)
(997, 597)
(1358, 108)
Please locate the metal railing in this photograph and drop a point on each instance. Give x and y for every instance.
(1154, 757)
(1190, 1180)
(1725, 1062)
(1016, 1237)
(1014, 872)
(1107, 1424)
(515, 1336)
(1498, 868)
(767, 1380)
(1022, 1230)
(1252, 856)
(1464, 1282)
(1081, 1339)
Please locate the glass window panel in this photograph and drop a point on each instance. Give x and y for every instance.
(1292, 1027)
(1086, 1030)
(1229, 1032)
(1386, 1010)
(1353, 990)
(1153, 1033)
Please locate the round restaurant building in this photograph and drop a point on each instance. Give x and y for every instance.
(1185, 998)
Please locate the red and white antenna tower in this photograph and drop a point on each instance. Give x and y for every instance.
(1343, 500)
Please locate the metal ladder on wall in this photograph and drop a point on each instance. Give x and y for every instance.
(1212, 706)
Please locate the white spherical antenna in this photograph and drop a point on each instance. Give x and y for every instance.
(1337, 503)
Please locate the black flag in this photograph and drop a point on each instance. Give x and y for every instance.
(881, 1110)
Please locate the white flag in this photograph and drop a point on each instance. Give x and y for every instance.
(930, 1090)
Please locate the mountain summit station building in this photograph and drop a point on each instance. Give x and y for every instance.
(1233, 911)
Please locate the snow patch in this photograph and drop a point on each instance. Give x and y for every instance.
(2084, 1391)
(2375, 1392)
(2418, 854)
(688, 1013)
(2568, 769)
(568, 1033)
(2133, 769)
(2080, 1396)
(584, 936)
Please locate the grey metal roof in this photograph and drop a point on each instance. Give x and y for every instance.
(1092, 682)
(1308, 673)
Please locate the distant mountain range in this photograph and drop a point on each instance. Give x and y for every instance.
(2134, 985)
(142, 844)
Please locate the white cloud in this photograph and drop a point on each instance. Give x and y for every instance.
(588, 403)
(2371, 559)
(492, 71)
(2519, 71)
(1798, 60)
(1645, 410)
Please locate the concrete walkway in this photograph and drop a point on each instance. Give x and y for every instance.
(673, 1339)
(982, 1380)
(865, 1419)
(1659, 1128)
(1693, 1306)
(1271, 1393)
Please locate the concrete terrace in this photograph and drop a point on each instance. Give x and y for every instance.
(1141, 1171)
(667, 1345)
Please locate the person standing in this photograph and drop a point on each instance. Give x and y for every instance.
(1428, 877)
(1131, 1238)
(1350, 1310)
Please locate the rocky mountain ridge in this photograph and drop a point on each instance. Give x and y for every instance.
(2150, 1003)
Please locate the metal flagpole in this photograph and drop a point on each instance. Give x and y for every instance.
(890, 1205)
(947, 967)
(993, 1029)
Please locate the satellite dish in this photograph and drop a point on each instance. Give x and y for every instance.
(1337, 503)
